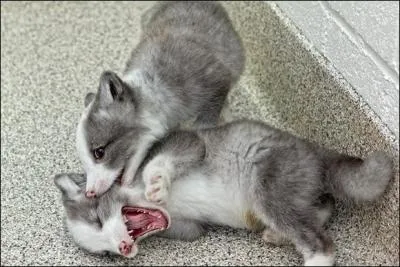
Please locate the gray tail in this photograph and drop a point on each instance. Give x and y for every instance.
(353, 179)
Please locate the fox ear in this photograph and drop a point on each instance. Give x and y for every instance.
(111, 87)
(89, 98)
(70, 184)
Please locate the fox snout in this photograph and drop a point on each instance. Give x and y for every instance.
(90, 194)
(100, 187)
(126, 248)
(100, 179)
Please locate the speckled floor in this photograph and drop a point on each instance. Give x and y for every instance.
(52, 54)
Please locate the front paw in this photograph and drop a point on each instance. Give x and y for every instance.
(156, 188)
(157, 179)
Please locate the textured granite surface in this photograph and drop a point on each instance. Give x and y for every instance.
(53, 53)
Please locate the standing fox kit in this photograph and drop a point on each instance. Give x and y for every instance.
(244, 174)
(188, 58)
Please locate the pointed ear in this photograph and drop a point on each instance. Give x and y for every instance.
(89, 98)
(70, 184)
(111, 87)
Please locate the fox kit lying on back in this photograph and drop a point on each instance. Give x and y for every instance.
(244, 174)
(188, 58)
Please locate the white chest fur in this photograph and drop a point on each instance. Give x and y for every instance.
(207, 199)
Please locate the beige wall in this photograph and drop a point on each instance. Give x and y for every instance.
(361, 39)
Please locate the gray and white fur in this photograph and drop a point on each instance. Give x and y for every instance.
(188, 58)
(246, 174)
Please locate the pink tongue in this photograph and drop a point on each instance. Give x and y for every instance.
(138, 220)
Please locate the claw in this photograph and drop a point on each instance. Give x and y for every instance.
(155, 190)
(154, 179)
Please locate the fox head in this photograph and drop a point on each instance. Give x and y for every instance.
(107, 133)
(114, 222)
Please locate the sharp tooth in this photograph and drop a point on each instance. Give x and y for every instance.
(130, 231)
(153, 213)
(126, 219)
(162, 229)
(148, 226)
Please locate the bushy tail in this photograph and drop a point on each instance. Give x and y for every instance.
(357, 180)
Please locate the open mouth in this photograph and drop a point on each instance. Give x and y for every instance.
(141, 222)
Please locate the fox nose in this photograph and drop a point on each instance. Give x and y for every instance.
(90, 194)
(125, 248)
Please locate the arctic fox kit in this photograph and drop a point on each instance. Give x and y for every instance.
(187, 60)
(243, 174)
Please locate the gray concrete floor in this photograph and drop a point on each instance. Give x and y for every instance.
(52, 54)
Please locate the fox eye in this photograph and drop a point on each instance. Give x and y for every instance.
(98, 153)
